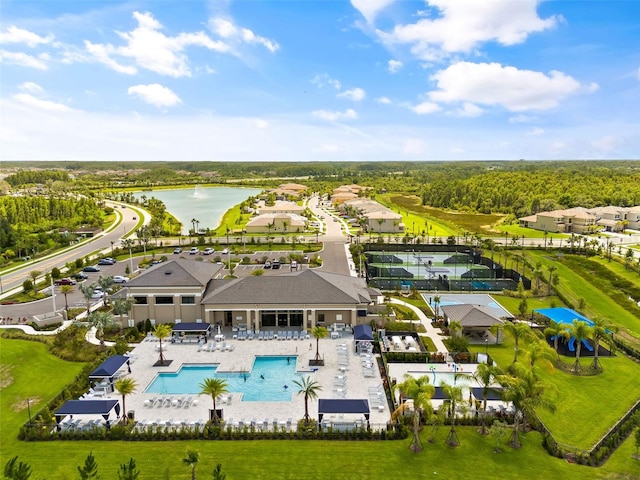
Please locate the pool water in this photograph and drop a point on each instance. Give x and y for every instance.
(264, 382)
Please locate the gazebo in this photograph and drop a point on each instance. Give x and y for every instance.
(363, 336)
(102, 408)
(108, 370)
(189, 328)
(341, 406)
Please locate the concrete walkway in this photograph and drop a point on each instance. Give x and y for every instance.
(432, 332)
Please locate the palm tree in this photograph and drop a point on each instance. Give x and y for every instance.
(161, 332)
(34, 274)
(66, 290)
(485, 375)
(421, 392)
(599, 331)
(319, 332)
(309, 388)
(454, 394)
(527, 393)
(87, 293)
(100, 320)
(556, 330)
(214, 387)
(105, 283)
(436, 303)
(580, 331)
(552, 268)
(122, 306)
(519, 331)
(540, 352)
(455, 328)
(191, 461)
(125, 386)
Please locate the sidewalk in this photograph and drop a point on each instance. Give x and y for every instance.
(432, 332)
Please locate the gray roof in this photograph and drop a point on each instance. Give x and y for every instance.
(302, 287)
(178, 272)
(471, 315)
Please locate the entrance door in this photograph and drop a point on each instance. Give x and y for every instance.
(283, 319)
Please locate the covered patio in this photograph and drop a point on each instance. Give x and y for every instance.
(337, 408)
(190, 331)
(88, 410)
(108, 371)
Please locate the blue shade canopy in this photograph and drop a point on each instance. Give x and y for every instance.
(343, 405)
(563, 315)
(191, 327)
(363, 333)
(88, 407)
(109, 367)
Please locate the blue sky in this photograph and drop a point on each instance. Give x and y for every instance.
(319, 80)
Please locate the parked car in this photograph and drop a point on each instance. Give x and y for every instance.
(65, 281)
(111, 259)
(267, 264)
(91, 268)
(194, 251)
(177, 250)
(80, 276)
(275, 265)
(294, 265)
(208, 251)
(120, 279)
(97, 293)
(225, 251)
(105, 261)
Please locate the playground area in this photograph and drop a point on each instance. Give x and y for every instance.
(567, 346)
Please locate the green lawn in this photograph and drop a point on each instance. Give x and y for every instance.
(38, 374)
(511, 303)
(528, 232)
(586, 406)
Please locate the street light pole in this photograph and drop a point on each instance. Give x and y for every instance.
(486, 346)
(29, 409)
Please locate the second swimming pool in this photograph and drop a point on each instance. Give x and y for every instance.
(264, 382)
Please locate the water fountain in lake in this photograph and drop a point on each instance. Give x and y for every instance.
(199, 192)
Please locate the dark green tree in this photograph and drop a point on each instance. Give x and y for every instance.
(89, 469)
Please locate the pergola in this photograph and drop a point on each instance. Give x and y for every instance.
(187, 328)
(363, 336)
(88, 407)
(108, 369)
(343, 405)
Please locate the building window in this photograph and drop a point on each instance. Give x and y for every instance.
(188, 300)
(140, 300)
(338, 317)
(164, 300)
(321, 318)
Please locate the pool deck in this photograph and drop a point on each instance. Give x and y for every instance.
(357, 385)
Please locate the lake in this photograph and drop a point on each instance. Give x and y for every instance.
(205, 204)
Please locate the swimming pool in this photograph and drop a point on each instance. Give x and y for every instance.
(264, 382)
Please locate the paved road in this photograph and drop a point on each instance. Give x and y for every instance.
(125, 224)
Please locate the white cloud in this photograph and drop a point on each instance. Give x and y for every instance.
(521, 118)
(155, 94)
(227, 30)
(31, 87)
(40, 103)
(536, 131)
(22, 59)
(383, 100)
(259, 123)
(322, 80)
(469, 110)
(394, 65)
(425, 108)
(152, 50)
(355, 94)
(334, 116)
(459, 26)
(14, 34)
(606, 144)
(102, 53)
(370, 8)
(494, 84)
